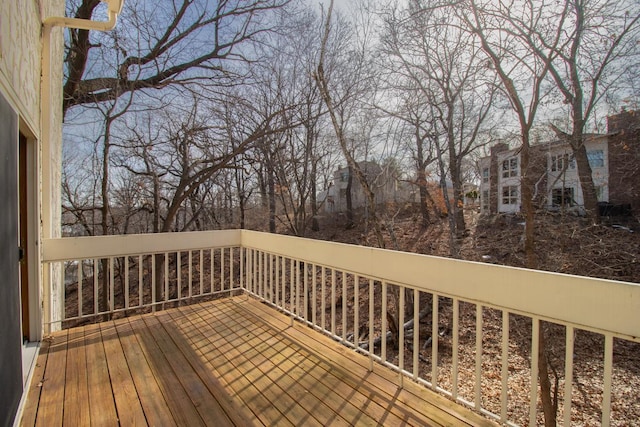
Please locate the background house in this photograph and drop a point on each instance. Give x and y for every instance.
(382, 180)
(613, 158)
(623, 148)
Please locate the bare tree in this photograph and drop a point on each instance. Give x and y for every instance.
(413, 116)
(174, 42)
(522, 74)
(350, 89)
(185, 155)
(598, 46)
(445, 66)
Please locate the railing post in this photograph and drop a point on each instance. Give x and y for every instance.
(478, 384)
(533, 396)
(371, 318)
(504, 395)
(401, 334)
(383, 334)
(607, 374)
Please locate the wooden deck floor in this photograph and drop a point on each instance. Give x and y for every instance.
(227, 362)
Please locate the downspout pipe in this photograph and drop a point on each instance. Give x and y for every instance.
(51, 297)
(82, 24)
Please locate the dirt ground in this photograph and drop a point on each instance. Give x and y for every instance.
(564, 243)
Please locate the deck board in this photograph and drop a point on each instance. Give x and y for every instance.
(102, 407)
(181, 407)
(76, 391)
(128, 404)
(236, 382)
(297, 401)
(53, 383)
(151, 397)
(233, 361)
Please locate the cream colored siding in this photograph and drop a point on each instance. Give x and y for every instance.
(20, 58)
(20, 83)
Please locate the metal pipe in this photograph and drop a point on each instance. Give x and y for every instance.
(49, 155)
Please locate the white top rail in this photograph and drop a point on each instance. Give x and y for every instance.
(595, 304)
(588, 303)
(74, 248)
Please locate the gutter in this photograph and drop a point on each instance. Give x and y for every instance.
(49, 155)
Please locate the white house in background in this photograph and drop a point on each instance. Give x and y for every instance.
(553, 169)
(563, 183)
(500, 182)
(385, 185)
(613, 158)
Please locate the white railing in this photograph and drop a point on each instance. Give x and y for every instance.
(314, 282)
(360, 295)
(117, 275)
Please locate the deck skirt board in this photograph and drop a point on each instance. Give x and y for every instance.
(233, 361)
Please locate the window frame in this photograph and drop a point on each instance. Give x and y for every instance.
(558, 162)
(594, 156)
(510, 167)
(511, 196)
(561, 197)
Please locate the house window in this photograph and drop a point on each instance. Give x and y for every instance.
(485, 175)
(485, 200)
(562, 196)
(510, 195)
(596, 158)
(510, 167)
(559, 162)
(344, 176)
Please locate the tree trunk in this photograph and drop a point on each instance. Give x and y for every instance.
(349, 200)
(453, 241)
(589, 194)
(458, 202)
(422, 180)
(271, 188)
(315, 225)
(526, 184)
(456, 182)
(104, 211)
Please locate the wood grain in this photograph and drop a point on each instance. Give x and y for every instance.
(232, 361)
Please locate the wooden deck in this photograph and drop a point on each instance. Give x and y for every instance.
(233, 361)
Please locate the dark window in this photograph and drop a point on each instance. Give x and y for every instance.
(562, 196)
(510, 167)
(510, 195)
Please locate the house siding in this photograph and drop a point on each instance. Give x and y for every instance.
(20, 95)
